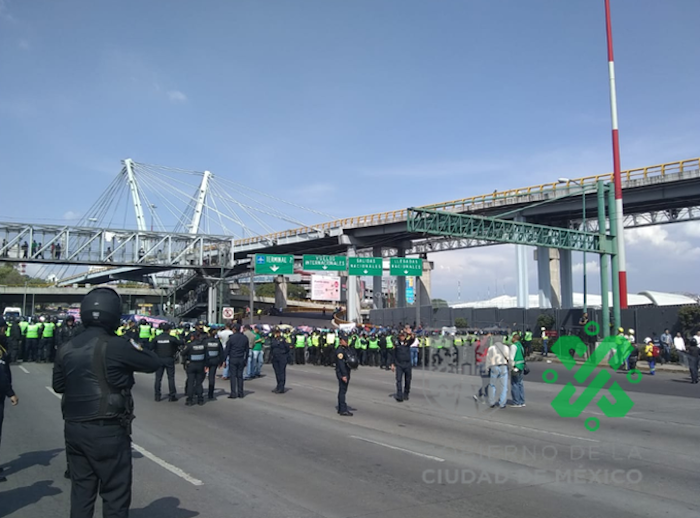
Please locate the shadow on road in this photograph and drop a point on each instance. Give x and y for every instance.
(168, 507)
(21, 497)
(32, 458)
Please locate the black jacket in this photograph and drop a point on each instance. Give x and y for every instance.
(341, 368)
(165, 345)
(279, 349)
(123, 358)
(237, 348)
(5, 374)
(693, 350)
(402, 354)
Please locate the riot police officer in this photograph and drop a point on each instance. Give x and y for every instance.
(5, 381)
(194, 357)
(166, 347)
(215, 358)
(95, 372)
(279, 350)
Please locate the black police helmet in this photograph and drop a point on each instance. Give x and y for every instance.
(101, 307)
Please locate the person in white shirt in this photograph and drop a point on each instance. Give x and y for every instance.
(497, 359)
(678, 342)
(223, 336)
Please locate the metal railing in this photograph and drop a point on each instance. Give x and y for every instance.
(383, 218)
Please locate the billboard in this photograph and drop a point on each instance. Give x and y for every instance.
(324, 287)
(410, 290)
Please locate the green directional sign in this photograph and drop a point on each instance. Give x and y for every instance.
(325, 263)
(404, 266)
(274, 264)
(365, 266)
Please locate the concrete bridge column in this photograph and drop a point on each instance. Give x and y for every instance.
(280, 292)
(423, 283)
(523, 288)
(401, 283)
(566, 278)
(544, 284)
(377, 299)
(353, 293)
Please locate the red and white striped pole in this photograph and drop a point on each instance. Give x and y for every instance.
(616, 165)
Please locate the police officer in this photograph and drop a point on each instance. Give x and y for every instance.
(47, 341)
(401, 365)
(166, 347)
(237, 350)
(279, 350)
(14, 345)
(145, 332)
(68, 330)
(95, 372)
(194, 357)
(215, 358)
(31, 348)
(342, 372)
(5, 380)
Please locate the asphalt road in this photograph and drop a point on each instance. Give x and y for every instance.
(439, 454)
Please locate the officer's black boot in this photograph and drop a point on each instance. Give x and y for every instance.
(188, 402)
(172, 399)
(200, 402)
(157, 397)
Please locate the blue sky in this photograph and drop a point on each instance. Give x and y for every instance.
(348, 107)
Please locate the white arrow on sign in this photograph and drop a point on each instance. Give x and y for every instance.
(274, 268)
(406, 272)
(325, 267)
(365, 271)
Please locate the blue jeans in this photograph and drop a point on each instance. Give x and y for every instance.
(517, 388)
(544, 348)
(497, 386)
(414, 356)
(257, 357)
(652, 365)
(225, 373)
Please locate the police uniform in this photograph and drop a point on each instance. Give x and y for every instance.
(95, 372)
(401, 364)
(237, 351)
(5, 380)
(342, 371)
(279, 351)
(166, 346)
(215, 358)
(194, 357)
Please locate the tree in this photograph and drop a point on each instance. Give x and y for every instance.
(439, 303)
(546, 320)
(689, 319)
(461, 322)
(9, 276)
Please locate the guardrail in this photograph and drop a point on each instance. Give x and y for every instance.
(383, 218)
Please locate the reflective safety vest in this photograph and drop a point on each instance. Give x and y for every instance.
(422, 342)
(389, 342)
(361, 344)
(314, 340)
(459, 342)
(528, 336)
(374, 344)
(23, 327)
(144, 331)
(198, 352)
(48, 330)
(33, 331)
(300, 341)
(7, 331)
(159, 332)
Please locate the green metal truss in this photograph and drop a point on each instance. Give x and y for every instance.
(443, 223)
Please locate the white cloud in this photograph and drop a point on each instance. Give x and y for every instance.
(592, 267)
(71, 215)
(691, 229)
(176, 96)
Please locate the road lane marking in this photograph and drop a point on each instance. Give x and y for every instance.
(162, 463)
(166, 465)
(431, 457)
(529, 429)
(21, 367)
